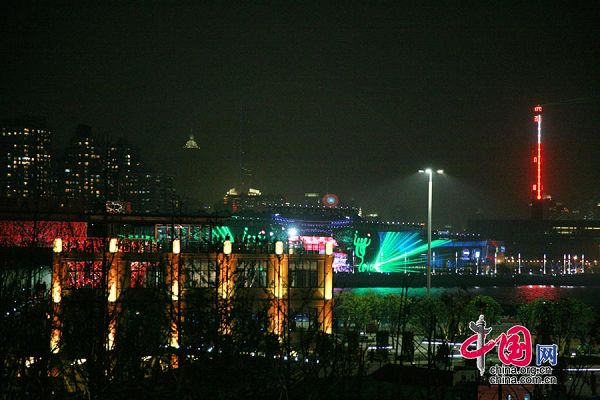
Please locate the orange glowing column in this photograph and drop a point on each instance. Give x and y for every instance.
(327, 312)
(174, 278)
(115, 280)
(278, 309)
(56, 290)
(227, 266)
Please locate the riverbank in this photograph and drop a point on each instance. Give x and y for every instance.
(365, 280)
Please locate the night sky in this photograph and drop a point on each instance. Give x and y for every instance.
(353, 100)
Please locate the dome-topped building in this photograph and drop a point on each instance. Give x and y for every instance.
(191, 143)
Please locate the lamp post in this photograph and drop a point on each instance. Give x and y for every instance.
(429, 172)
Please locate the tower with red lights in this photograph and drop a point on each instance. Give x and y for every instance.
(537, 188)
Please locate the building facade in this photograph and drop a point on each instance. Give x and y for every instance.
(150, 193)
(25, 162)
(98, 171)
(291, 289)
(84, 177)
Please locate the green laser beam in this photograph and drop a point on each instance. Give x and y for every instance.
(400, 250)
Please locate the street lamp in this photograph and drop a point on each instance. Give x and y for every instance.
(429, 172)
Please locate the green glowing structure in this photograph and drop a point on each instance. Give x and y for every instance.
(360, 247)
(401, 252)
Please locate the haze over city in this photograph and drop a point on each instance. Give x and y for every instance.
(351, 99)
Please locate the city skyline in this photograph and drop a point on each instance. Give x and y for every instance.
(300, 200)
(351, 101)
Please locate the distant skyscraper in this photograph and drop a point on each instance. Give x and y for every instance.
(150, 193)
(121, 162)
(191, 143)
(236, 200)
(84, 177)
(25, 166)
(100, 174)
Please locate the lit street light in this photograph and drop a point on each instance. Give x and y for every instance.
(429, 172)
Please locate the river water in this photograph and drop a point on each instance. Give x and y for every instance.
(506, 295)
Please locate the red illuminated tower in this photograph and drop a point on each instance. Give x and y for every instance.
(537, 188)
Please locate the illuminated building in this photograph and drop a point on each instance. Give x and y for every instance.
(238, 200)
(191, 144)
(294, 288)
(121, 160)
(123, 257)
(534, 238)
(149, 192)
(25, 164)
(141, 257)
(100, 171)
(127, 180)
(84, 177)
(465, 253)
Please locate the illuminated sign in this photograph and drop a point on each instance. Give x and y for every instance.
(360, 247)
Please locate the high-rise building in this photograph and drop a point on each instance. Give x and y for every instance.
(122, 160)
(25, 163)
(99, 173)
(150, 193)
(236, 200)
(191, 144)
(84, 175)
